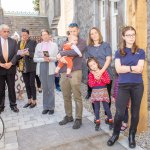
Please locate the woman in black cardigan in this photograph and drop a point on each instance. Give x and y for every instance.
(26, 51)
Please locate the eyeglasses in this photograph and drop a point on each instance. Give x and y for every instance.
(73, 25)
(130, 35)
(6, 31)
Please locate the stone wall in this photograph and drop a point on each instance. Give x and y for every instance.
(148, 48)
(67, 13)
(84, 15)
(50, 10)
(1, 15)
(34, 24)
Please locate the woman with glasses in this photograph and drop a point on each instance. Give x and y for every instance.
(103, 53)
(129, 62)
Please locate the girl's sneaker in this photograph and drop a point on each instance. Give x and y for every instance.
(97, 125)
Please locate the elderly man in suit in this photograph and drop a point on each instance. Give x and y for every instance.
(8, 49)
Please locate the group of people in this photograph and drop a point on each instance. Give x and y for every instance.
(41, 59)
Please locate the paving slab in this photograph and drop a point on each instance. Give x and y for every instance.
(30, 130)
(54, 136)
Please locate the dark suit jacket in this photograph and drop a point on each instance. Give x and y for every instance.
(12, 49)
(29, 63)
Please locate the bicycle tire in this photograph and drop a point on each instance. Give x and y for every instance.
(2, 134)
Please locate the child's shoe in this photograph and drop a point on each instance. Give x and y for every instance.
(111, 124)
(97, 125)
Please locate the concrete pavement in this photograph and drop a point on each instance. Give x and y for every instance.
(30, 130)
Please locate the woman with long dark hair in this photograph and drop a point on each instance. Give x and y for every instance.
(103, 53)
(129, 62)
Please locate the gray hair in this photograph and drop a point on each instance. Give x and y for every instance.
(3, 26)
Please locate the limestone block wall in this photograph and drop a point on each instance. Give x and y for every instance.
(50, 10)
(67, 14)
(84, 16)
(33, 23)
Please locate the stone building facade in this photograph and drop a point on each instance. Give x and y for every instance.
(60, 13)
(148, 48)
(107, 15)
(1, 14)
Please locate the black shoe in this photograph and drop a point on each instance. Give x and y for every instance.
(15, 109)
(97, 125)
(32, 105)
(132, 143)
(45, 111)
(51, 112)
(77, 124)
(112, 140)
(26, 105)
(66, 120)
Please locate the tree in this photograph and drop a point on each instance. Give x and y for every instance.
(36, 5)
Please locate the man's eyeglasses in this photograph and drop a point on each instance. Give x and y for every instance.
(130, 35)
(6, 31)
(73, 25)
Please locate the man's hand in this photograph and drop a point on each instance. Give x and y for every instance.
(8, 65)
(2, 65)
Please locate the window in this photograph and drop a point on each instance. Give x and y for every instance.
(115, 7)
(103, 9)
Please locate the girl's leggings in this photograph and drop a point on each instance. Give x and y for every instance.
(106, 108)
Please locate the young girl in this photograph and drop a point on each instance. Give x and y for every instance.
(129, 64)
(99, 90)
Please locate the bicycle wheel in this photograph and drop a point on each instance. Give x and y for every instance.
(1, 127)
